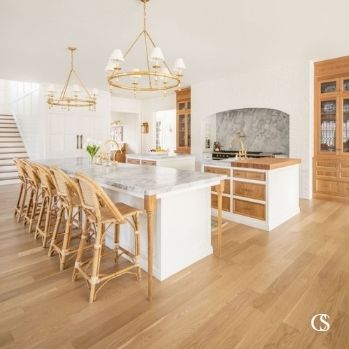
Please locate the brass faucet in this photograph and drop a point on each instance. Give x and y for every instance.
(105, 156)
(242, 150)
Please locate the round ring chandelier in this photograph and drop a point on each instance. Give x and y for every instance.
(77, 95)
(156, 76)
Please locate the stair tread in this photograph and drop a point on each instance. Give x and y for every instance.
(9, 177)
(5, 156)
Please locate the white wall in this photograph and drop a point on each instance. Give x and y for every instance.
(4, 97)
(149, 109)
(25, 100)
(286, 87)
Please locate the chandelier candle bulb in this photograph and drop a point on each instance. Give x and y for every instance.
(51, 89)
(157, 55)
(117, 56)
(76, 89)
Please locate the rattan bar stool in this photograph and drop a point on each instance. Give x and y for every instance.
(102, 213)
(49, 206)
(23, 190)
(34, 187)
(63, 242)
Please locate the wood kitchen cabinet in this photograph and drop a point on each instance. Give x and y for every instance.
(331, 157)
(183, 112)
(255, 193)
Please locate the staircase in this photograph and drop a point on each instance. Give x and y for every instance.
(11, 146)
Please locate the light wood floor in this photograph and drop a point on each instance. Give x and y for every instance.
(262, 293)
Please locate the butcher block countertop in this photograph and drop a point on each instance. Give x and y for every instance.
(265, 163)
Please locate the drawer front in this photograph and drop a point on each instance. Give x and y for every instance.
(249, 190)
(149, 162)
(326, 173)
(343, 189)
(225, 171)
(329, 164)
(257, 176)
(344, 170)
(328, 187)
(133, 161)
(225, 202)
(249, 209)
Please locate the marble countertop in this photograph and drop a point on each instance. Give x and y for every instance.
(139, 180)
(219, 163)
(159, 156)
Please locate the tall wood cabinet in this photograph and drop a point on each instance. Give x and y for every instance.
(183, 108)
(331, 153)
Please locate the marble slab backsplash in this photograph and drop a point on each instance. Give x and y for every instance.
(265, 129)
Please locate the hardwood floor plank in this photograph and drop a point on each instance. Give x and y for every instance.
(260, 294)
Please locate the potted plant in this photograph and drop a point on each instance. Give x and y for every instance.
(92, 148)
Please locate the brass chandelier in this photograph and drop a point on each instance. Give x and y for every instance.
(156, 76)
(76, 95)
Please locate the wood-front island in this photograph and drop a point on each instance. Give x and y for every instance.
(176, 226)
(262, 193)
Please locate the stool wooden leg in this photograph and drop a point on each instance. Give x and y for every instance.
(55, 230)
(42, 209)
(22, 205)
(137, 245)
(82, 244)
(96, 262)
(66, 238)
(21, 191)
(47, 221)
(117, 241)
(29, 207)
(33, 213)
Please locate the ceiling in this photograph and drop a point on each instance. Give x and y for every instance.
(215, 38)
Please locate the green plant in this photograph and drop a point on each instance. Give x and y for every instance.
(92, 149)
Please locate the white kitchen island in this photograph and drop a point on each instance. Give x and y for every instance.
(179, 161)
(176, 226)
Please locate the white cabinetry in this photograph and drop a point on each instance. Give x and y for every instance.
(68, 131)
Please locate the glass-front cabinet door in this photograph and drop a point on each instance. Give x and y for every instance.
(345, 125)
(328, 125)
(329, 86)
(181, 130)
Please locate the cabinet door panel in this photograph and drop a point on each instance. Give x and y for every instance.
(328, 125)
(329, 86)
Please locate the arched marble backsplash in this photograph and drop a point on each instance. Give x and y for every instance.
(266, 129)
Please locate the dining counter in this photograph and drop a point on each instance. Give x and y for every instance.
(176, 224)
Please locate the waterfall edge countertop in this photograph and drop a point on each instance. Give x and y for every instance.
(140, 180)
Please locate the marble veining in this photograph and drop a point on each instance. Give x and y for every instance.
(266, 130)
(140, 180)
